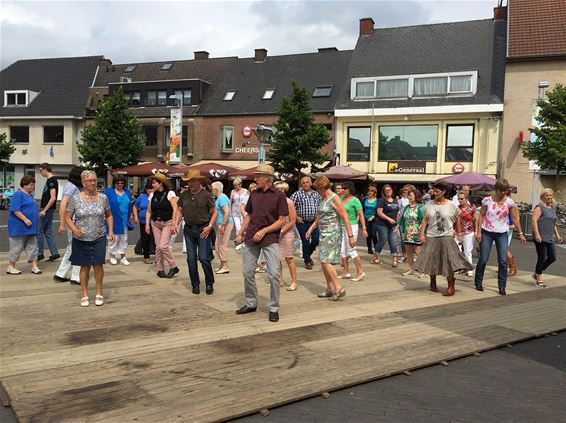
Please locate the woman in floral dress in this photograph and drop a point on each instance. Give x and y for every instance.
(330, 212)
(410, 221)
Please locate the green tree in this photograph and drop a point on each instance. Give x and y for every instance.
(549, 149)
(115, 140)
(297, 139)
(6, 148)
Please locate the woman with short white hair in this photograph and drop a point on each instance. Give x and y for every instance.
(224, 224)
(238, 200)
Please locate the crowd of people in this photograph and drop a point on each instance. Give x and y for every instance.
(433, 233)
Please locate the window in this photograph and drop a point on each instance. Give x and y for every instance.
(19, 134)
(130, 68)
(431, 86)
(365, 89)
(226, 138)
(229, 95)
(150, 133)
(156, 98)
(17, 98)
(459, 143)
(417, 142)
(322, 91)
(268, 94)
(461, 84)
(387, 88)
(133, 98)
(166, 66)
(186, 95)
(359, 140)
(53, 135)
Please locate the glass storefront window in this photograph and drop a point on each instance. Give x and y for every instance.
(412, 142)
(359, 140)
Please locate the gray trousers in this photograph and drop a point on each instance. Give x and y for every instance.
(272, 263)
(27, 243)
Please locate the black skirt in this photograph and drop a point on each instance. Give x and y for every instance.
(88, 253)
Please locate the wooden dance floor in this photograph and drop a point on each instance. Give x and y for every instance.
(157, 353)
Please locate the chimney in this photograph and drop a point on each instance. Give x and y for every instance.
(500, 13)
(366, 26)
(327, 49)
(104, 62)
(201, 55)
(260, 54)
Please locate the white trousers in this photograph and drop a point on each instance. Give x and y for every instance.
(345, 249)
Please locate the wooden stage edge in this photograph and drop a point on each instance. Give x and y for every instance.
(157, 353)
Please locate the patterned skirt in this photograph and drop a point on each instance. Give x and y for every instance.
(441, 256)
(287, 244)
(330, 243)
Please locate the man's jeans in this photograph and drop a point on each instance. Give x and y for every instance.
(308, 245)
(487, 239)
(198, 248)
(45, 229)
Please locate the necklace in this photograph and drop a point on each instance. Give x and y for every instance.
(91, 196)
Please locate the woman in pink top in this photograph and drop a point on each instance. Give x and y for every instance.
(493, 227)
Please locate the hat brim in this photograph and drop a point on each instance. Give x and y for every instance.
(190, 178)
(264, 173)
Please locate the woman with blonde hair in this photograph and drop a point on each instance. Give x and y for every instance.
(330, 211)
(238, 200)
(224, 224)
(544, 227)
(287, 238)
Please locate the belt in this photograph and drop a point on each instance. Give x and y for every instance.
(200, 225)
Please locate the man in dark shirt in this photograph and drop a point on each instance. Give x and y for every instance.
(266, 211)
(196, 206)
(46, 210)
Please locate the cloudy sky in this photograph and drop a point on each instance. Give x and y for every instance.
(136, 31)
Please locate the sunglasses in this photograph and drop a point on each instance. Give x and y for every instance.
(119, 183)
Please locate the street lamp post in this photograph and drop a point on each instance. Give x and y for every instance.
(263, 134)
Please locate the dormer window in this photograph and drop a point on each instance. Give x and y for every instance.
(229, 95)
(268, 94)
(19, 98)
(166, 66)
(322, 91)
(130, 68)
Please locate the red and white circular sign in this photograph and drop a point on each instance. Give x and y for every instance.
(247, 131)
(458, 168)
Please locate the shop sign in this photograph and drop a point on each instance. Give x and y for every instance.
(458, 168)
(247, 131)
(406, 167)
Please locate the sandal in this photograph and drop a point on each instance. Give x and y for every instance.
(394, 262)
(85, 302)
(99, 300)
(293, 287)
(325, 294)
(375, 260)
(337, 295)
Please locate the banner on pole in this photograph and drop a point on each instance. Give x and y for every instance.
(176, 136)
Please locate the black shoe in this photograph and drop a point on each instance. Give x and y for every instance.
(502, 292)
(273, 316)
(246, 310)
(60, 279)
(370, 251)
(196, 290)
(161, 274)
(479, 287)
(172, 272)
(40, 257)
(53, 257)
(209, 289)
(308, 266)
(75, 282)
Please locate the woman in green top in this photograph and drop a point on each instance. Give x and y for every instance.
(410, 221)
(355, 213)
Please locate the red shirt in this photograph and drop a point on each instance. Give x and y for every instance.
(264, 208)
(467, 214)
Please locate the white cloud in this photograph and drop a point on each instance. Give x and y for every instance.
(131, 31)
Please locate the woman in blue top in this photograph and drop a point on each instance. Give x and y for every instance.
(224, 224)
(370, 213)
(119, 198)
(22, 226)
(139, 211)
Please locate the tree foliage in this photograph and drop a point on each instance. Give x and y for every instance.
(115, 140)
(549, 149)
(297, 139)
(6, 148)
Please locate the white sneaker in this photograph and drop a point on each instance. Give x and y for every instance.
(470, 273)
(113, 260)
(239, 247)
(125, 261)
(13, 271)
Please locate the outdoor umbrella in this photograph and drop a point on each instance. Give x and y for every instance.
(345, 173)
(145, 169)
(249, 174)
(215, 170)
(476, 181)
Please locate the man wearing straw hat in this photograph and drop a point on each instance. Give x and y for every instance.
(266, 212)
(196, 206)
